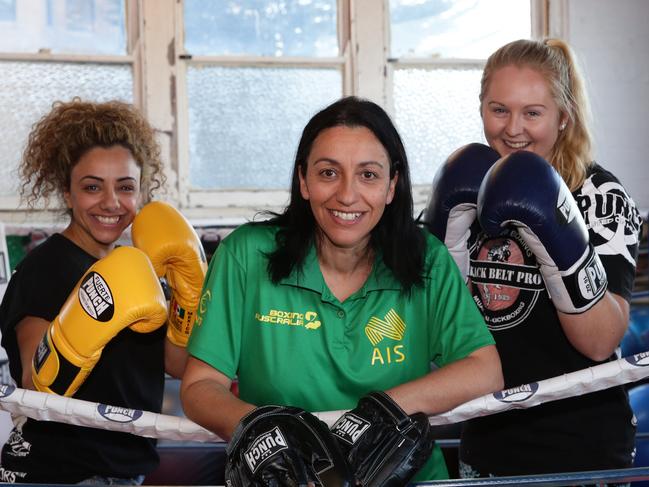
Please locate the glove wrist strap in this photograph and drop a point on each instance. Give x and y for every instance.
(579, 288)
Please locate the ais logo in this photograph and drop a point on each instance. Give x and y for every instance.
(517, 394)
(392, 326)
(117, 414)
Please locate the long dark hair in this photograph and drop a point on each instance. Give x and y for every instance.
(396, 235)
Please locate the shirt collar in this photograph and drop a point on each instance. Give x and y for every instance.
(310, 276)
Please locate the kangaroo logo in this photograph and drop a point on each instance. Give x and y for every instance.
(392, 326)
(311, 322)
(202, 306)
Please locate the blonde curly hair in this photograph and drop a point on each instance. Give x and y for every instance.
(61, 137)
(553, 58)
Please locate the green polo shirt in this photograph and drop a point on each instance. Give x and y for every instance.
(295, 343)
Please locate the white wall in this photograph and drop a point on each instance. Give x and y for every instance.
(611, 39)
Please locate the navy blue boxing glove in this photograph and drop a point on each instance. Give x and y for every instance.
(452, 206)
(525, 191)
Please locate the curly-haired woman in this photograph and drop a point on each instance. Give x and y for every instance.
(100, 161)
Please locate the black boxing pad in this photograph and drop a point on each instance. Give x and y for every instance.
(276, 445)
(384, 446)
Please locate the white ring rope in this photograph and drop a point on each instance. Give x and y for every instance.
(50, 407)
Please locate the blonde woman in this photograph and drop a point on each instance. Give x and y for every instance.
(534, 109)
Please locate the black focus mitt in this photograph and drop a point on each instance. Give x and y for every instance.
(277, 445)
(383, 445)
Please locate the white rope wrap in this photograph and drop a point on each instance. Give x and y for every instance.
(50, 407)
(592, 379)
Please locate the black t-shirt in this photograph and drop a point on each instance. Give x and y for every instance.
(130, 374)
(594, 431)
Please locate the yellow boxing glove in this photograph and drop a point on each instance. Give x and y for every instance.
(176, 253)
(121, 290)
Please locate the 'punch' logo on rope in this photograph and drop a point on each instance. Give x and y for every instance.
(639, 359)
(517, 394)
(6, 390)
(95, 297)
(118, 414)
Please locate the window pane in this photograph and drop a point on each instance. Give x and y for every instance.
(7, 10)
(245, 123)
(470, 29)
(437, 111)
(261, 27)
(27, 91)
(63, 26)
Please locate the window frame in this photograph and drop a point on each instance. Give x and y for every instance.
(227, 203)
(11, 205)
(155, 50)
(539, 11)
(364, 39)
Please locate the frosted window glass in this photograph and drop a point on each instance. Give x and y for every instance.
(470, 29)
(27, 91)
(261, 27)
(63, 26)
(245, 123)
(7, 10)
(437, 111)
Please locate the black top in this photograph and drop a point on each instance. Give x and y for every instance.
(591, 432)
(130, 373)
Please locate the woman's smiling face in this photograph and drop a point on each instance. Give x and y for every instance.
(348, 185)
(103, 196)
(520, 113)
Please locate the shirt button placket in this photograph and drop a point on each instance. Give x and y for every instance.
(340, 341)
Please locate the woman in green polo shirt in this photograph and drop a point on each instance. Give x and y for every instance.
(340, 295)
